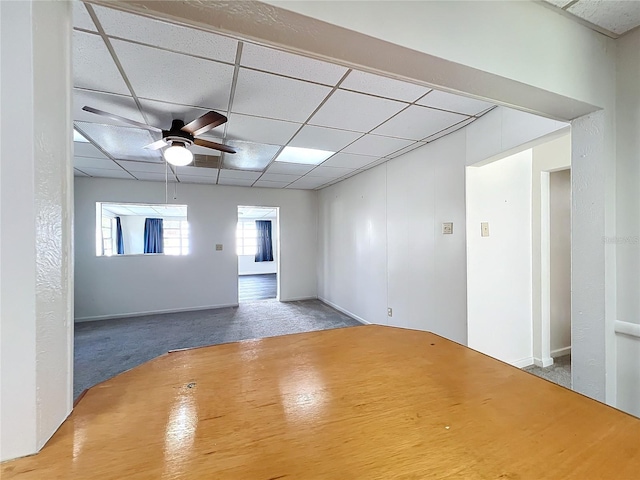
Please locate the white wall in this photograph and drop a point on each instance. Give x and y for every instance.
(36, 294)
(560, 256)
(247, 264)
(627, 238)
(499, 266)
(205, 278)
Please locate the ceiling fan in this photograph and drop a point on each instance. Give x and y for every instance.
(179, 137)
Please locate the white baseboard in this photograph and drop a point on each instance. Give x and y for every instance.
(543, 362)
(524, 362)
(561, 352)
(297, 299)
(152, 312)
(342, 310)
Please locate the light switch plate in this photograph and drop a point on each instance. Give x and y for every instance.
(484, 229)
(447, 228)
(390, 312)
(218, 246)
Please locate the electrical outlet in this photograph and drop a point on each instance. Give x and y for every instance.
(390, 312)
(447, 228)
(218, 247)
(484, 229)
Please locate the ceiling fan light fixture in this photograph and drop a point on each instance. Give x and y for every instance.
(178, 155)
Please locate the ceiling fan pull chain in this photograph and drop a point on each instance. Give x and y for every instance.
(166, 182)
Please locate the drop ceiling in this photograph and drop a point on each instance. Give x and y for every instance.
(611, 17)
(152, 72)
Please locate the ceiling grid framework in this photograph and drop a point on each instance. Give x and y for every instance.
(153, 72)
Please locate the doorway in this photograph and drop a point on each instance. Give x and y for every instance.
(257, 244)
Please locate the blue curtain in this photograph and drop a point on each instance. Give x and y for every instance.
(153, 236)
(265, 249)
(119, 239)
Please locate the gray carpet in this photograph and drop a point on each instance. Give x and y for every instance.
(559, 372)
(106, 348)
(257, 287)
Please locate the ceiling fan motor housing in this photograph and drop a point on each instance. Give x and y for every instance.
(177, 136)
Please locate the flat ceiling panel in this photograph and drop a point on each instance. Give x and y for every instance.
(235, 181)
(454, 103)
(154, 177)
(308, 183)
(355, 111)
(93, 67)
(102, 163)
(83, 149)
(266, 184)
(323, 138)
(226, 173)
(121, 105)
(347, 160)
(279, 177)
(289, 168)
(172, 77)
(250, 156)
(383, 86)
(134, 167)
(416, 123)
(260, 130)
(616, 16)
(559, 3)
(81, 18)
(99, 172)
(376, 145)
(291, 65)
(161, 114)
(331, 172)
(197, 171)
(78, 173)
(408, 149)
(123, 143)
(266, 95)
(196, 179)
(166, 35)
(449, 130)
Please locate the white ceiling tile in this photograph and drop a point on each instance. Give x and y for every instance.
(235, 182)
(249, 155)
(260, 130)
(93, 66)
(289, 168)
(146, 167)
(196, 179)
(154, 177)
(172, 77)
(454, 103)
(226, 173)
(559, 3)
(330, 172)
(449, 130)
(307, 183)
(267, 184)
(408, 149)
(161, 114)
(383, 86)
(102, 163)
(375, 164)
(279, 177)
(123, 143)
(166, 35)
(323, 138)
(355, 111)
(121, 105)
(100, 172)
(291, 65)
(266, 95)
(81, 18)
(348, 160)
(197, 171)
(416, 123)
(616, 16)
(376, 145)
(83, 149)
(78, 173)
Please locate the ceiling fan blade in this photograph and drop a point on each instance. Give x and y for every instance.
(156, 145)
(204, 123)
(214, 145)
(113, 116)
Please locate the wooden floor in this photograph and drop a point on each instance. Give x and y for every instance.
(257, 287)
(365, 402)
